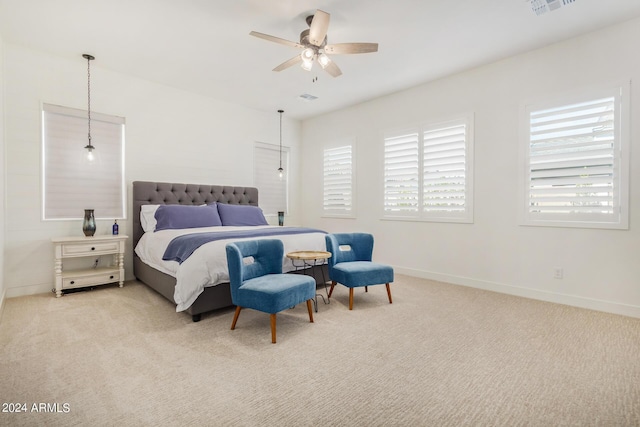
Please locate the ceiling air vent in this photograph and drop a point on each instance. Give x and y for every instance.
(307, 98)
(543, 6)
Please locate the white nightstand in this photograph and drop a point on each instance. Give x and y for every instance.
(95, 246)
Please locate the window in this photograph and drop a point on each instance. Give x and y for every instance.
(338, 181)
(69, 184)
(428, 172)
(401, 174)
(273, 190)
(576, 170)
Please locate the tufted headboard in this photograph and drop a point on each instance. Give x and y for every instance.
(165, 193)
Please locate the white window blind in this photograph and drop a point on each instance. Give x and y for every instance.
(445, 170)
(71, 185)
(338, 181)
(575, 170)
(401, 173)
(428, 172)
(273, 190)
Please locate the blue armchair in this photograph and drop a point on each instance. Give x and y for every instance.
(257, 282)
(350, 263)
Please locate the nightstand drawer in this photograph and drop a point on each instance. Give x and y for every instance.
(90, 280)
(89, 248)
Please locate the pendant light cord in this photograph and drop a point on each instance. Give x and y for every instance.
(89, 58)
(89, 97)
(280, 111)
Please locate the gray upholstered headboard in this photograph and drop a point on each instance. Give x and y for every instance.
(166, 193)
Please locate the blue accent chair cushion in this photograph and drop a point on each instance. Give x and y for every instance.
(350, 263)
(257, 282)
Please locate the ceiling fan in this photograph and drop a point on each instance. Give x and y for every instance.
(313, 42)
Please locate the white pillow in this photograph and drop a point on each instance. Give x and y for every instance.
(148, 217)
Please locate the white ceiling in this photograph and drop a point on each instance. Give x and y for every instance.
(204, 46)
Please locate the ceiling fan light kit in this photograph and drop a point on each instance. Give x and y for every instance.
(313, 42)
(323, 60)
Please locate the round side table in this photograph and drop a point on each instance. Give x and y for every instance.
(311, 260)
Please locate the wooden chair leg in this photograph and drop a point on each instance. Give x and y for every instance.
(350, 298)
(310, 310)
(235, 317)
(366, 289)
(273, 328)
(333, 283)
(389, 294)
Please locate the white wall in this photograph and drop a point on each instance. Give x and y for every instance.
(601, 268)
(171, 136)
(2, 178)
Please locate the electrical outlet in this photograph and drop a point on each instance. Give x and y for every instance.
(557, 273)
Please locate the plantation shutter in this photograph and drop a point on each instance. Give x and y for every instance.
(272, 189)
(401, 169)
(71, 185)
(338, 180)
(444, 170)
(573, 161)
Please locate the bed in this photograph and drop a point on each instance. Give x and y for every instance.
(203, 273)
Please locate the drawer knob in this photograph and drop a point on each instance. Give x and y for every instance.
(110, 277)
(93, 249)
(73, 281)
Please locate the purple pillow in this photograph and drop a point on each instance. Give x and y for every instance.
(241, 215)
(186, 216)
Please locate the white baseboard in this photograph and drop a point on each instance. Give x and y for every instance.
(29, 290)
(572, 300)
(2, 298)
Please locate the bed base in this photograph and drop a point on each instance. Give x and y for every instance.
(212, 298)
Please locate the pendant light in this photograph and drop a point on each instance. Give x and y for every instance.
(90, 156)
(280, 170)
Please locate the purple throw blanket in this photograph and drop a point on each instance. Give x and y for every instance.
(181, 248)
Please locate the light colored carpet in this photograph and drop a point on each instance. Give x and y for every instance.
(439, 355)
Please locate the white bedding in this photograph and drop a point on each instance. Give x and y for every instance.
(207, 266)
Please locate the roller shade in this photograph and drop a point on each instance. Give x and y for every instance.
(272, 189)
(71, 185)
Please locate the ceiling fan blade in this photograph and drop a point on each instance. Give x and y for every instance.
(333, 69)
(349, 48)
(318, 28)
(289, 63)
(275, 39)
